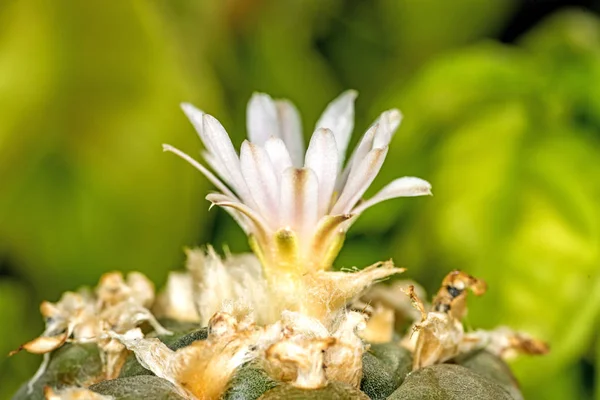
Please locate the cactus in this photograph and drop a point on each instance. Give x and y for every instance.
(278, 323)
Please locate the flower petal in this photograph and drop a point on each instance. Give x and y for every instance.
(278, 153)
(222, 148)
(209, 175)
(216, 166)
(407, 186)
(322, 158)
(290, 127)
(359, 181)
(298, 200)
(45, 344)
(388, 122)
(359, 153)
(339, 118)
(259, 175)
(261, 118)
(195, 116)
(378, 135)
(217, 142)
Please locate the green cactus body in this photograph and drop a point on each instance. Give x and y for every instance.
(71, 365)
(138, 387)
(386, 375)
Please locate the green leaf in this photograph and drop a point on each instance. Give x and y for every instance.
(85, 184)
(15, 302)
(507, 135)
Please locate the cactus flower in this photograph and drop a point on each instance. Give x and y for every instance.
(297, 205)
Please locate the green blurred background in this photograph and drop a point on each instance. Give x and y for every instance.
(502, 115)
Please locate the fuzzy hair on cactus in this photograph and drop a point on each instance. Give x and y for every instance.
(278, 323)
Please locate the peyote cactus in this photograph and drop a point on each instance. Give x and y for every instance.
(278, 324)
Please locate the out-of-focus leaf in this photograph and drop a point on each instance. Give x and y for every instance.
(85, 185)
(88, 94)
(262, 45)
(515, 183)
(15, 329)
(375, 46)
(568, 381)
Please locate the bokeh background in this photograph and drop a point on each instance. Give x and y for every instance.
(502, 114)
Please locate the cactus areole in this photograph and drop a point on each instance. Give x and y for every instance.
(278, 323)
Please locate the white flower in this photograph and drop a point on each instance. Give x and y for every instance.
(296, 206)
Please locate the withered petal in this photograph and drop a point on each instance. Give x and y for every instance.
(44, 344)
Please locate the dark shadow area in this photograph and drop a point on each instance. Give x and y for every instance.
(530, 12)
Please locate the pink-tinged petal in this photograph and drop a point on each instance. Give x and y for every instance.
(213, 163)
(209, 175)
(222, 148)
(260, 176)
(378, 135)
(339, 118)
(407, 186)
(196, 118)
(388, 122)
(322, 158)
(290, 127)
(359, 153)
(261, 119)
(259, 225)
(279, 155)
(298, 200)
(359, 181)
